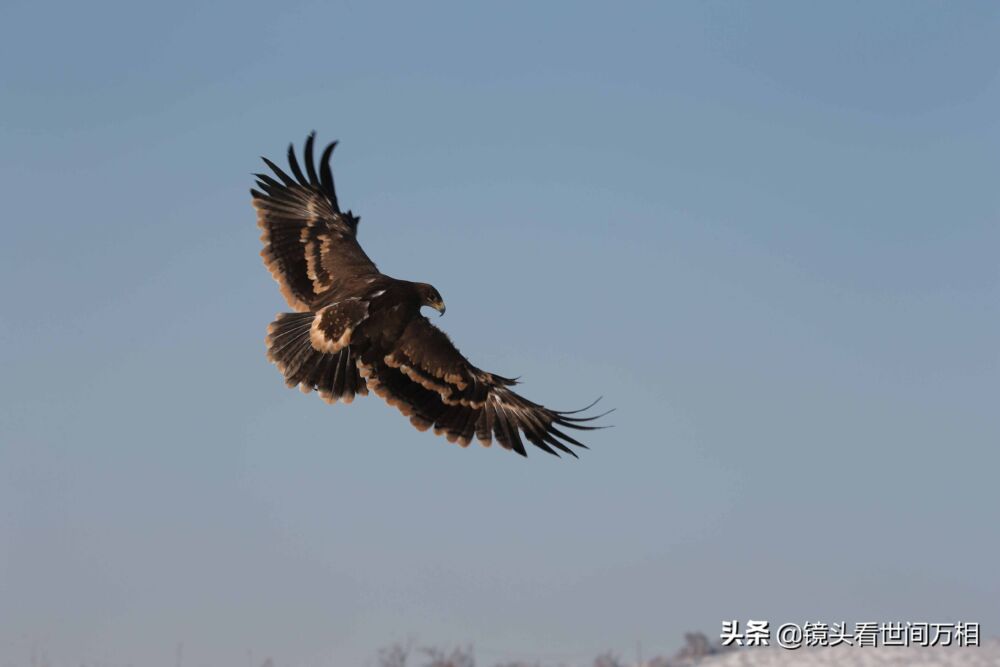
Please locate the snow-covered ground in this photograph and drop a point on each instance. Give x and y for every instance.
(987, 655)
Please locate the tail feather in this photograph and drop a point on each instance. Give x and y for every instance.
(319, 371)
(334, 376)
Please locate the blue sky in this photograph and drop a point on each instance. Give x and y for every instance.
(766, 233)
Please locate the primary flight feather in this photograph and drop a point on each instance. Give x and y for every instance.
(357, 329)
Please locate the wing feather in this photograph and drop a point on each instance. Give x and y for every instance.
(310, 166)
(428, 380)
(310, 246)
(326, 176)
(293, 162)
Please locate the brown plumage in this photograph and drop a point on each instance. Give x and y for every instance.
(357, 329)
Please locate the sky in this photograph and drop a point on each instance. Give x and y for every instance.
(767, 234)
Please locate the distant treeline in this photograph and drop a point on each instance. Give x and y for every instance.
(696, 648)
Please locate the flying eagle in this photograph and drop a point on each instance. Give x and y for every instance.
(357, 329)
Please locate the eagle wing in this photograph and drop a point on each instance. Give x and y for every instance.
(310, 246)
(428, 380)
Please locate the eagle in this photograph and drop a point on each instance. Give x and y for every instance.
(356, 329)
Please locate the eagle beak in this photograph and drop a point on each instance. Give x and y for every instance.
(438, 306)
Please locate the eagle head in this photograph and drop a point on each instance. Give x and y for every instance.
(430, 297)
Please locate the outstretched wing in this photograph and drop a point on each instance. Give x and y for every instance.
(429, 381)
(310, 246)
